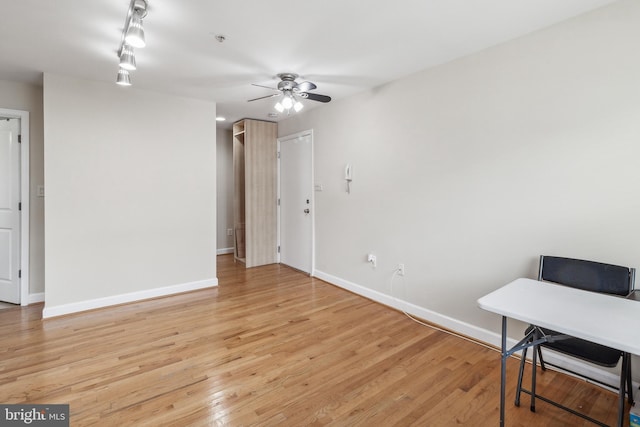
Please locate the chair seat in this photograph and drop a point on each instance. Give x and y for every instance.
(585, 350)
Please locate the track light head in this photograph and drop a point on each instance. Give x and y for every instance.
(127, 58)
(123, 78)
(140, 6)
(135, 32)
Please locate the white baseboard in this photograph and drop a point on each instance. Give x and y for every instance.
(126, 298)
(469, 330)
(224, 251)
(35, 298)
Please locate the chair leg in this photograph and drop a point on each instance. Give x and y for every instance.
(520, 374)
(544, 368)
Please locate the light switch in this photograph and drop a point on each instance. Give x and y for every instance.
(40, 191)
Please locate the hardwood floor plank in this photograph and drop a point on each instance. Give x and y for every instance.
(269, 347)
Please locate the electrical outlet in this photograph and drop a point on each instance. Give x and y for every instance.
(400, 269)
(229, 231)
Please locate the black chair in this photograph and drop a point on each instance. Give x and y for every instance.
(590, 276)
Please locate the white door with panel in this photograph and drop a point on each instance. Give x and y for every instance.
(296, 201)
(9, 211)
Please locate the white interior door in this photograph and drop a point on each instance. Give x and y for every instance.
(296, 201)
(9, 211)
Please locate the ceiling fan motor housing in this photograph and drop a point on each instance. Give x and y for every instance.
(285, 85)
(288, 81)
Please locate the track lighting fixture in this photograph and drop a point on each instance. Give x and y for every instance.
(132, 37)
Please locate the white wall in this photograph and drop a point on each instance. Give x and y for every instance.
(26, 97)
(467, 172)
(224, 180)
(131, 193)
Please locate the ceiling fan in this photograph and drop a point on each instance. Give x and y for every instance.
(291, 92)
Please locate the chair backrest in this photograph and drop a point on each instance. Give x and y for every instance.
(587, 275)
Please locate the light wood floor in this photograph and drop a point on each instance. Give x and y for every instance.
(269, 347)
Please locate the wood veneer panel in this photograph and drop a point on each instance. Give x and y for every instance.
(260, 192)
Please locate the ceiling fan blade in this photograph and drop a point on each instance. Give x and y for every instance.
(306, 86)
(266, 87)
(264, 97)
(316, 97)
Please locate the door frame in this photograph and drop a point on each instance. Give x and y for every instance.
(24, 199)
(309, 133)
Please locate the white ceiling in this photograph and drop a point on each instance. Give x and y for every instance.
(343, 46)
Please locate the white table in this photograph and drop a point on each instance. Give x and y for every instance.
(588, 315)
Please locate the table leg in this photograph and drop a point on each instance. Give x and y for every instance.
(534, 370)
(503, 369)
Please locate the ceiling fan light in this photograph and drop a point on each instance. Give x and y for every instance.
(298, 106)
(287, 102)
(127, 58)
(135, 32)
(123, 78)
(279, 107)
